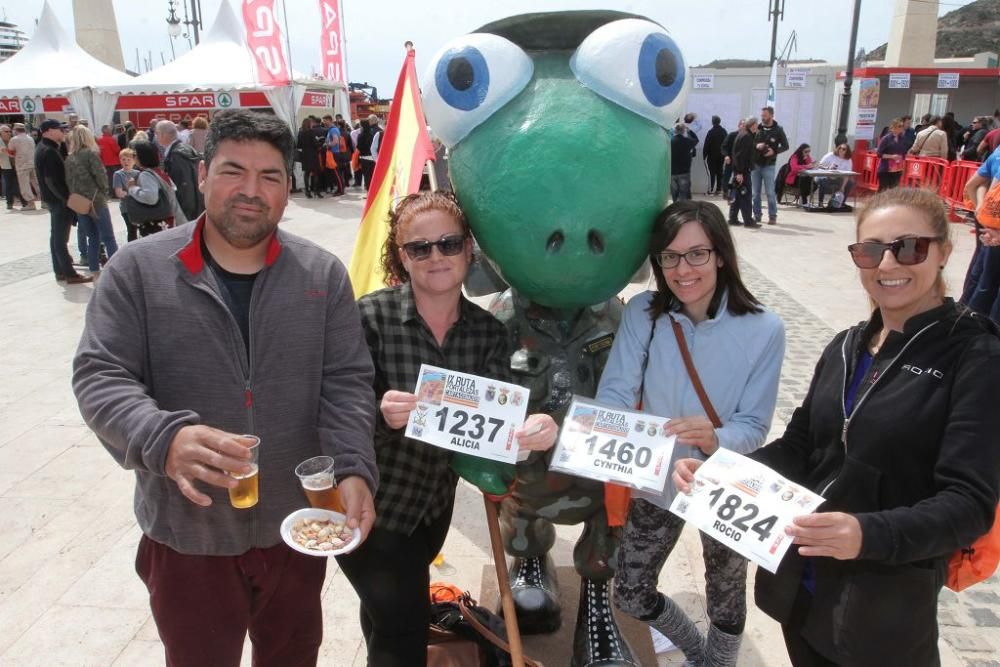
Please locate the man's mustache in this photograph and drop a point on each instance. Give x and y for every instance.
(252, 201)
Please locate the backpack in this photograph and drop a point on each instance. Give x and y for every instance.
(450, 623)
(976, 562)
(988, 213)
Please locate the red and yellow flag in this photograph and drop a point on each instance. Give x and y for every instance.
(403, 151)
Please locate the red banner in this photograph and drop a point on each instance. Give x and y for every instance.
(331, 44)
(263, 35)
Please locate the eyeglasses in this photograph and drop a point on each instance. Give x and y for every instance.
(909, 251)
(449, 245)
(696, 257)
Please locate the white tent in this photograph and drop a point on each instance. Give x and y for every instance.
(53, 64)
(222, 62)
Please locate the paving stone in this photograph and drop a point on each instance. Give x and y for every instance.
(985, 617)
(966, 642)
(989, 597)
(982, 663)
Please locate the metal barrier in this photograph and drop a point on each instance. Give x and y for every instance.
(947, 179)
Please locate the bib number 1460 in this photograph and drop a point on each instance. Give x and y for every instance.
(625, 453)
(732, 505)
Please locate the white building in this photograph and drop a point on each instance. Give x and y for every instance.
(11, 40)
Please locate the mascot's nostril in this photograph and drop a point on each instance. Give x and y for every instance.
(596, 242)
(554, 244)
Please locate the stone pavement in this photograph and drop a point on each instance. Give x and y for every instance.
(68, 590)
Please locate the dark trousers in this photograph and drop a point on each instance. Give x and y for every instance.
(800, 653)
(714, 165)
(344, 169)
(367, 171)
(10, 187)
(204, 605)
(741, 203)
(390, 574)
(888, 179)
(60, 223)
(110, 170)
(982, 295)
(727, 178)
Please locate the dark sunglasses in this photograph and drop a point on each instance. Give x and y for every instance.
(449, 245)
(909, 251)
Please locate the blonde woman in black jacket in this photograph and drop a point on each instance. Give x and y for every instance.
(898, 435)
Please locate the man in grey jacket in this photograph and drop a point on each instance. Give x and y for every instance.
(207, 331)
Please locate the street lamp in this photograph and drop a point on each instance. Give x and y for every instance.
(193, 19)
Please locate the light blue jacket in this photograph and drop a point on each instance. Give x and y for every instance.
(738, 359)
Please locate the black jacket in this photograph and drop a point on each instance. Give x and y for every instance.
(918, 464)
(681, 154)
(712, 148)
(742, 154)
(181, 164)
(51, 171)
(727, 144)
(772, 137)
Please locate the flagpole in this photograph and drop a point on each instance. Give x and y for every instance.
(288, 43)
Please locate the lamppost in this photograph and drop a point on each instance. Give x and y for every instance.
(193, 19)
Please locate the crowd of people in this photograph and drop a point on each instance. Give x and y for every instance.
(309, 370)
(333, 156)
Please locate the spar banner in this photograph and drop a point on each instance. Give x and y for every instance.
(264, 39)
(331, 42)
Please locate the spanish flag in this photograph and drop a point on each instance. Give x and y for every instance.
(403, 151)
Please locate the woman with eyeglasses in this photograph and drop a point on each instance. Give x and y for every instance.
(898, 432)
(736, 346)
(422, 318)
(838, 159)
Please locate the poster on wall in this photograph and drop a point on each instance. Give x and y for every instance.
(703, 81)
(948, 80)
(795, 78)
(899, 80)
(868, 92)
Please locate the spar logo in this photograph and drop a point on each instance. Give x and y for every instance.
(28, 105)
(225, 100)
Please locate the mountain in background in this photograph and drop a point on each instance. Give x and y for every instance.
(964, 32)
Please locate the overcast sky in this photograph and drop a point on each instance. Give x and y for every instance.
(376, 29)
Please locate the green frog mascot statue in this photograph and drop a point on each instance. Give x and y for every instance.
(559, 154)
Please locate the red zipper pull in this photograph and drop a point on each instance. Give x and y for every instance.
(248, 395)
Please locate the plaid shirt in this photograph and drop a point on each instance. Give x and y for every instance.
(415, 483)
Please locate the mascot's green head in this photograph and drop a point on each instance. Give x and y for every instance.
(559, 151)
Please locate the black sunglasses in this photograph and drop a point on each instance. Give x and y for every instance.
(448, 245)
(909, 251)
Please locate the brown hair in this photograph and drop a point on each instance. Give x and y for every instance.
(706, 214)
(406, 209)
(200, 123)
(922, 200)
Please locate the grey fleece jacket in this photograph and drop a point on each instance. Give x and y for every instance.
(160, 350)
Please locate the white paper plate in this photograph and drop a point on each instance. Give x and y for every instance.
(314, 513)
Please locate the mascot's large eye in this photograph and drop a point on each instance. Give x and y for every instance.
(633, 63)
(468, 80)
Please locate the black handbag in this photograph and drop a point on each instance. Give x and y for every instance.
(138, 213)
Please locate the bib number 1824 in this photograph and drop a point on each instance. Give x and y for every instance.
(733, 505)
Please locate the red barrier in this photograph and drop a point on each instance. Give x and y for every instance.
(869, 172)
(923, 172)
(952, 189)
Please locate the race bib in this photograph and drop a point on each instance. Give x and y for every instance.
(613, 445)
(745, 505)
(467, 413)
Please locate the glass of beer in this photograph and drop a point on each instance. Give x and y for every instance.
(246, 492)
(316, 476)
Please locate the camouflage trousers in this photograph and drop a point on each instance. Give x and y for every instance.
(541, 499)
(650, 535)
